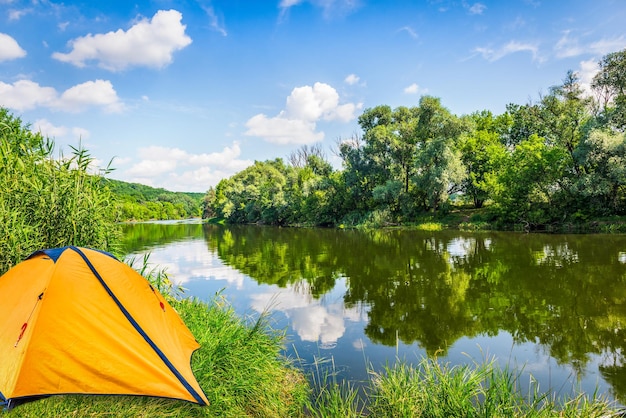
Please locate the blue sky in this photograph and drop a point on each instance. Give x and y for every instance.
(180, 94)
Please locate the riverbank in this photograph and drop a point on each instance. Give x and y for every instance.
(243, 374)
(483, 219)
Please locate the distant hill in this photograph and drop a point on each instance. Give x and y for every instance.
(140, 202)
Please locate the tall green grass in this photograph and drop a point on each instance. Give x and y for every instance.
(434, 389)
(48, 202)
(239, 367)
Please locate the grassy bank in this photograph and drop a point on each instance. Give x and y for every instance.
(238, 366)
(243, 374)
(469, 219)
(437, 390)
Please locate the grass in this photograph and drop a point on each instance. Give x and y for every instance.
(243, 374)
(238, 366)
(434, 389)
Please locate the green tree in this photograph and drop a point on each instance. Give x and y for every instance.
(256, 194)
(525, 189)
(438, 166)
(482, 154)
(603, 186)
(610, 82)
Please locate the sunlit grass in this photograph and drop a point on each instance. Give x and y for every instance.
(435, 389)
(429, 226)
(238, 366)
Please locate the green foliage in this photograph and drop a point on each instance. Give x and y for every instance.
(610, 82)
(435, 389)
(556, 161)
(139, 202)
(525, 188)
(47, 202)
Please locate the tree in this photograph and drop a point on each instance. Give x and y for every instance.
(526, 187)
(438, 166)
(610, 81)
(602, 188)
(482, 154)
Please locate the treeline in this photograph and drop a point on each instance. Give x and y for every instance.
(559, 160)
(138, 202)
(48, 201)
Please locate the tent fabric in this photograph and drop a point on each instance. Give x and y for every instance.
(78, 321)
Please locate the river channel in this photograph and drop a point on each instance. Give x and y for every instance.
(548, 306)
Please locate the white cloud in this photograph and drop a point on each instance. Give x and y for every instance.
(213, 20)
(9, 48)
(568, 46)
(414, 89)
(408, 30)
(16, 14)
(47, 129)
(476, 8)
(351, 79)
(61, 135)
(331, 8)
(311, 321)
(99, 93)
(606, 46)
(588, 70)
(149, 43)
(184, 171)
(25, 94)
(147, 168)
(510, 48)
(283, 131)
(304, 108)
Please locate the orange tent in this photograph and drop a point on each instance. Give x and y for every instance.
(78, 321)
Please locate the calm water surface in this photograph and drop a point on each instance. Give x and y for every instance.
(553, 306)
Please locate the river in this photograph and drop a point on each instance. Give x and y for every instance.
(550, 306)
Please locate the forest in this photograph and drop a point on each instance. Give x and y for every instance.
(138, 202)
(558, 160)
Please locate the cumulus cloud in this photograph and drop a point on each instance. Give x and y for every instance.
(98, 93)
(511, 47)
(26, 94)
(148, 43)
(185, 171)
(47, 129)
(588, 70)
(304, 108)
(61, 135)
(9, 48)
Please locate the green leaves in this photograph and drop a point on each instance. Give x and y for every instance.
(47, 202)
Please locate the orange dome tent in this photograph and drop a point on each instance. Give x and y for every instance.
(78, 321)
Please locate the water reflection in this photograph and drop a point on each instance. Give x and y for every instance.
(552, 304)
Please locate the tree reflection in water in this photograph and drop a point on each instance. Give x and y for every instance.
(566, 293)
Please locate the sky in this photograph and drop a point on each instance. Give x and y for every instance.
(182, 94)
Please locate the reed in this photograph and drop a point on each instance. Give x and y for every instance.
(48, 202)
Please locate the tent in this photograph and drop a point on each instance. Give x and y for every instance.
(79, 321)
